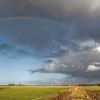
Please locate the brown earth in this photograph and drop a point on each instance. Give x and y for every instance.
(75, 93)
(94, 95)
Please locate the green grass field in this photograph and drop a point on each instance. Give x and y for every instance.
(91, 88)
(33, 92)
(28, 92)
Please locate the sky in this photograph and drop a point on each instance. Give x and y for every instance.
(45, 40)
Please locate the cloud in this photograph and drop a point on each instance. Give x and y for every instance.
(65, 45)
(55, 7)
(97, 49)
(5, 46)
(65, 32)
(76, 63)
(92, 68)
(12, 50)
(35, 32)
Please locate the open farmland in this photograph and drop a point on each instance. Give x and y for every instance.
(44, 92)
(93, 92)
(28, 92)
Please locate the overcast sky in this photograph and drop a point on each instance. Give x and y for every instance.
(53, 39)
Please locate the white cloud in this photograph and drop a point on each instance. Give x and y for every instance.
(97, 49)
(96, 63)
(91, 68)
(95, 5)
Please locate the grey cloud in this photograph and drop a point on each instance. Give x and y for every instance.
(5, 46)
(37, 33)
(70, 7)
(74, 63)
(49, 61)
(59, 7)
(66, 31)
(12, 50)
(70, 44)
(23, 52)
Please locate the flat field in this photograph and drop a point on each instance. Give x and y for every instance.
(93, 92)
(28, 92)
(40, 92)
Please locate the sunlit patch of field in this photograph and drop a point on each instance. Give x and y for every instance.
(78, 93)
(73, 93)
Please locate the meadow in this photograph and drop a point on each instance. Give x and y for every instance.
(35, 92)
(28, 92)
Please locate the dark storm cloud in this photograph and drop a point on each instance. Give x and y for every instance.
(35, 32)
(8, 48)
(66, 31)
(23, 52)
(76, 63)
(70, 51)
(59, 7)
(48, 61)
(5, 48)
